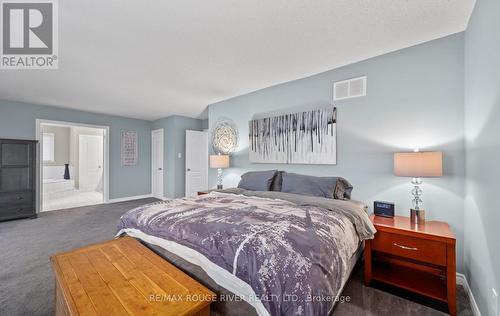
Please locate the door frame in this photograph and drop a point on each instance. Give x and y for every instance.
(153, 132)
(39, 160)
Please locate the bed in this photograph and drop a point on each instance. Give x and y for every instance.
(263, 252)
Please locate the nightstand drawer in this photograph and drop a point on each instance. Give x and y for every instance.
(409, 247)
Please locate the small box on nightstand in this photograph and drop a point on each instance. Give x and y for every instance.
(385, 209)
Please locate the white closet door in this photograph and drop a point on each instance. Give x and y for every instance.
(196, 162)
(157, 163)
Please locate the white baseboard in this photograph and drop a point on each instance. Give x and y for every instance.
(462, 280)
(130, 198)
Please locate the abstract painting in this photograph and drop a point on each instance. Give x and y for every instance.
(299, 138)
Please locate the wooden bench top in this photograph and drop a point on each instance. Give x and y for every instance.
(123, 277)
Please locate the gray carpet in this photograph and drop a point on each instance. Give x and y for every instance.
(27, 282)
(370, 301)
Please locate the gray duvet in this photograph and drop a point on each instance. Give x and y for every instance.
(285, 254)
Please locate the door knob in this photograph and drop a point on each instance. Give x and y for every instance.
(188, 169)
(160, 169)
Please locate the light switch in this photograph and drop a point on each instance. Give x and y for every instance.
(179, 155)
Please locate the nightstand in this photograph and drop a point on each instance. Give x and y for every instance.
(418, 258)
(206, 191)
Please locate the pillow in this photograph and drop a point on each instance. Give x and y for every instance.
(343, 189)
(278, 180)
(257, 180)
(328, 187)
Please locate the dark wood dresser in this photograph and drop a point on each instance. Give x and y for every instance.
(417, 258)
(17, 179)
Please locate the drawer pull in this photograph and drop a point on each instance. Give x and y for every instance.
(404, 247)
(19, 197)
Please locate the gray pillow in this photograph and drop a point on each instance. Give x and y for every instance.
(257, 180)
(328, 187)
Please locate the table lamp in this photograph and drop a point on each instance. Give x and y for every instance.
(220, 162)
(418, 165)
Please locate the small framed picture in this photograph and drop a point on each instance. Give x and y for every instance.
(129, 148)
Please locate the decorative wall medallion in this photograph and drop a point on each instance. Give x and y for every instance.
(299, 138)
(224, 137)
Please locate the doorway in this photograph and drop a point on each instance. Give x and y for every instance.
(73, 165)
(157, 163)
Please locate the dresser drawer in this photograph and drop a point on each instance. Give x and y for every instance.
(15, 198)
(16, 211)
(409, 247)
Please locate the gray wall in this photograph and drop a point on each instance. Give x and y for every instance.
(61, 144)
(482, 112)
(415, 99)
(175, 143)
(17, 120)
(204, 124)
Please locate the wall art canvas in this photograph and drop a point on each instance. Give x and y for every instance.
(299, 138)
(224, 137)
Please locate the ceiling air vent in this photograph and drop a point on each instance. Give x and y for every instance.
(351, 88)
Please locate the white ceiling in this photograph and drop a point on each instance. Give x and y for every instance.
(151, 59)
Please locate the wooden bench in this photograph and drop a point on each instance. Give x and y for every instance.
(123, 277)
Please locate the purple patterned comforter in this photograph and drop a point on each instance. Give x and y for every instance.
(290, 253)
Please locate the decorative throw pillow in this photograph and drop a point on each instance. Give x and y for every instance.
(277, 182)
(343, 189)
(257, 180)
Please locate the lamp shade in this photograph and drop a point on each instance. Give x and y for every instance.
(219, 161)
(418, 164)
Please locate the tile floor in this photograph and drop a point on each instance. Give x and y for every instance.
(72, 198)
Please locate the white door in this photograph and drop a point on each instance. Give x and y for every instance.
(196, 162)
(90, 161)
(157, 163)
